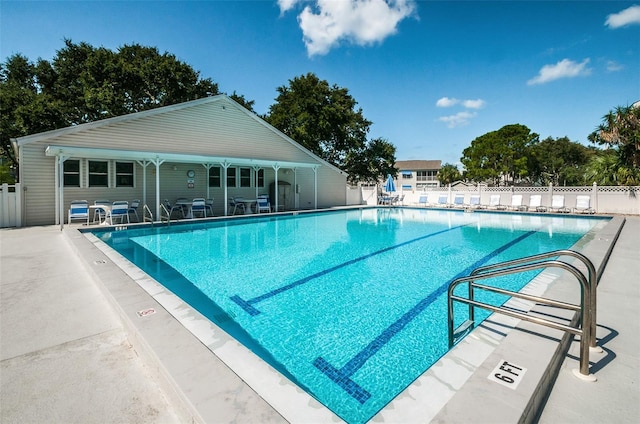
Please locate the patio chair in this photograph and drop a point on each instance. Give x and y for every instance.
(171, 209)
(181, 205)
(235, 205)
(494, 202)
(199, 207)
(535, 203)
(209, 204)
(443, 200)
(133, 208)
(583, 204)
(263, 205)
(99, 214)
(423, 200)
(557, 204)
(119, 211)
(516, 203)
(79, 210)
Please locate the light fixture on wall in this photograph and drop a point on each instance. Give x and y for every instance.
(175, 168)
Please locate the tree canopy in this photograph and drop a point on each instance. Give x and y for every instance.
(499, 155)
(558, 161)
(620, 131)
(85, 84)
(448, 174)
(324, 119)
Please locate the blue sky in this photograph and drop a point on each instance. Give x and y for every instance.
(431, 75)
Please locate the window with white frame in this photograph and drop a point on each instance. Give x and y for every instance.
(260, 178)
(71, 170)
(231, 177)
(245, 177)
(124, 174)
(214, 176)
(98, 173)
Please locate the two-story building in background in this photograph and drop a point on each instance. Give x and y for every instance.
(416, 175)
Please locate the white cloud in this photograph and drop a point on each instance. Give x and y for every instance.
(326, 23)
(457, 120)
(564, 69)
(473, 104)
(628, 16)
(613, 66)
(286, 5)
(446, 102)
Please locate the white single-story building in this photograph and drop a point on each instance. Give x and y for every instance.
(210, 148)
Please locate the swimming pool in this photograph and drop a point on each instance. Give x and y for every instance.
(349, 305)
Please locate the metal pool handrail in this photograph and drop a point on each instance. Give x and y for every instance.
(505, 268)
(591, 275)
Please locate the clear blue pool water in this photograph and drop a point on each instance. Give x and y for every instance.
(350, 305)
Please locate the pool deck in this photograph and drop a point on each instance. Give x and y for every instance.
(70, 353)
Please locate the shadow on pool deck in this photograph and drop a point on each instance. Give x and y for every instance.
(69, 354)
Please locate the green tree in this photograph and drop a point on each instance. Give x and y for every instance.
(558, 161)
(84, 84)
(448, 174)
(620, 130)
(320, 117)
(372, 163)
(499, 155)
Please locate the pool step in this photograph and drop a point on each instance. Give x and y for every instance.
(462, 330)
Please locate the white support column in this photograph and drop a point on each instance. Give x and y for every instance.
(315, 187)
(144, 165)
(225, 165)
(157, 162)
(595, 196)
(256, 169)
(276, 167)
(60, 192)
(296, 195)
(208, 167)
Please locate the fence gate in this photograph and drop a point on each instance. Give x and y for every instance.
(10, 205)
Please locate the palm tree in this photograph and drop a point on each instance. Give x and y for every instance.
(620, 129)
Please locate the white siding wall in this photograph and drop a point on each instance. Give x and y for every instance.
(205, 129)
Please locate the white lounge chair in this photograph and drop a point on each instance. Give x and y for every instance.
(79, 210)
(557, 204)
(516, 203)
(474, 202)
(133, 208)
(583, 204)
(494, 202)
(458, 201)
(535, 203)
(443, 200)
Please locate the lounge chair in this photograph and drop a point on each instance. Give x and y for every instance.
(133, 208)
(443, 200)
(474, 202)
(198, 206)
(423, 200)
(583, 204)
(263, 205)
(494, 202)
(119, 210)
(557, 204)
(458, 201)
(516, 203)
(79, 210)
(535, 203)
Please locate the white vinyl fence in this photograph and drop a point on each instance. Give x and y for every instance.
(604, 199)
(10, 205)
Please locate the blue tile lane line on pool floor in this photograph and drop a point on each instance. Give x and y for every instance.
(342, 376)
(247, 305)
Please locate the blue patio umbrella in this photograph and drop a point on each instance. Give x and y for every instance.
(390, 186)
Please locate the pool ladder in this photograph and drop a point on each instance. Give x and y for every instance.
(585, 327)
(148, 215)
